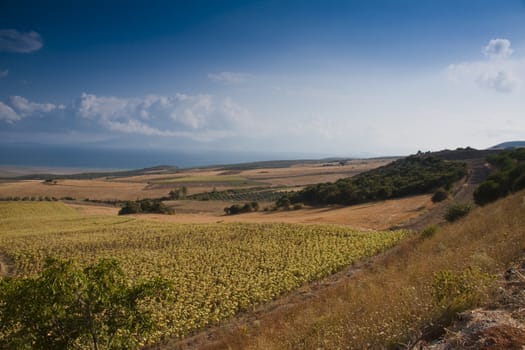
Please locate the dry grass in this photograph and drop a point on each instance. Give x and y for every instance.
(377, 216)
(392, 301)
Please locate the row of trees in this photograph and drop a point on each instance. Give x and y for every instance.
(145, 206)
(507, 177)
(407, 176)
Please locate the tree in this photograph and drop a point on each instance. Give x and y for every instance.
(487, 192)
(183, 192)
(179, 193)
(67, 307)
(130, 207)
(440, 195)
(457, 211)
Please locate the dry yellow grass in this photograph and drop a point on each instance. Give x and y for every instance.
(390, 301)
(377, 216)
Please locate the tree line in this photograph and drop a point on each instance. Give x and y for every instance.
(408, 176)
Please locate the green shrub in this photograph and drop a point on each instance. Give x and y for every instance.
(283, 202)
(145, 206)
(456, 292)
(457, 211)
(67, 307)
(130, 207)
(429, 231)
(487, 192)
(508, 176)
(440, 195)
(238, 209)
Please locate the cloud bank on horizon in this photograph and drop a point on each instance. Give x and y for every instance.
(330, 80)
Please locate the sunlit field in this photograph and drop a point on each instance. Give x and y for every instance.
(217, 269)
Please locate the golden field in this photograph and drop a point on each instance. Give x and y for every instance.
(217, 269)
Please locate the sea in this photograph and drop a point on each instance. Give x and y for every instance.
(30, 155)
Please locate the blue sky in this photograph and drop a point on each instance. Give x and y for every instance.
(341, 78)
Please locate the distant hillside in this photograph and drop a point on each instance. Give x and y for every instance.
(510, 144)
(407, 176)
(161, 169)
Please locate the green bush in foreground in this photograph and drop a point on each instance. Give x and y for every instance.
(455, 292)
(67, 307)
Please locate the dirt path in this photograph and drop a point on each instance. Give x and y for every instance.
(463, 193)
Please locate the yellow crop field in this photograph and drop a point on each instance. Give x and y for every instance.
(217, 269)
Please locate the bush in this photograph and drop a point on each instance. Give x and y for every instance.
(429, 231)
(130, 207)
(456, 292)
(283, 202)
(487, 192)
(145, 206)
(178, 193)
(440, 195)
(239, 209)
(457, 211)
(508, 176)
(68, 307)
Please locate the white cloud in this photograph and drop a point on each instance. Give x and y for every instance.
(7, 114)
(4, 73)
(25, 108)
(93, 107)
(501, 81)
(195, 116)
(12, 40)
(17, 108)
(500, 72)
(199, 117)
(229, 78)
(498, 48)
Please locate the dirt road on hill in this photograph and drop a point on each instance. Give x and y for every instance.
(478, 171)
